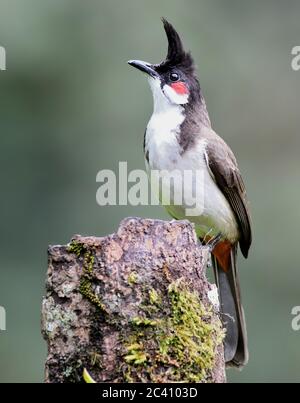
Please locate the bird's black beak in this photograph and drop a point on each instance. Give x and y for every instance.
(144, 67)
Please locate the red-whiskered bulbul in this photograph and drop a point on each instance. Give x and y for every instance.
(179, 136)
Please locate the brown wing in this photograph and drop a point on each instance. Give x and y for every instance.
(225, 171)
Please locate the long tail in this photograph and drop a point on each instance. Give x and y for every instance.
(235, 344)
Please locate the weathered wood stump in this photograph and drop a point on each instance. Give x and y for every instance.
(134, 306)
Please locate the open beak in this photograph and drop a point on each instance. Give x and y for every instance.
(144, 67)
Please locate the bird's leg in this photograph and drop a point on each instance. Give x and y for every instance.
(213, 242)
(206, 236)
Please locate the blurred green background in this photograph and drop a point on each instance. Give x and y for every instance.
(70, 106)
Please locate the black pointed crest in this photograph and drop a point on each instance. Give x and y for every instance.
(176, 56)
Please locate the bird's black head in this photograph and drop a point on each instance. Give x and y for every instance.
(173, 80)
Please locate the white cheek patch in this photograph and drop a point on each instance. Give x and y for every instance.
(174, 97)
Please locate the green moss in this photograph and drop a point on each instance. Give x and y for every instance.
(194, 337)
(96, 359)
(136, 355)
(77, 248)
(86, 286)
(86, 290)
(132, 278)
(183, 340)
(139, 321)
(154, 298)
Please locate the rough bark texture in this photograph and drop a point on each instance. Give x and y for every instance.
(134, 306)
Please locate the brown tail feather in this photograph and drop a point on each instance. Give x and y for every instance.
(235, 344)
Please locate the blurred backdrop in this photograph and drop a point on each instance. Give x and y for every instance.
(70, 106)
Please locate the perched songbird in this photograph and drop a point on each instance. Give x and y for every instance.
(179, 136)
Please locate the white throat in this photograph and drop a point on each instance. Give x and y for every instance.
(161, 142)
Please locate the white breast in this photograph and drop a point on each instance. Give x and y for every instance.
(161, 139)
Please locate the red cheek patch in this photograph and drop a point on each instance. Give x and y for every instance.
(180, 88)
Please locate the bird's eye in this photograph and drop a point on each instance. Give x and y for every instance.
(174, 77)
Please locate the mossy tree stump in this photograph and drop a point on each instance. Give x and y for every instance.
(134, 306)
